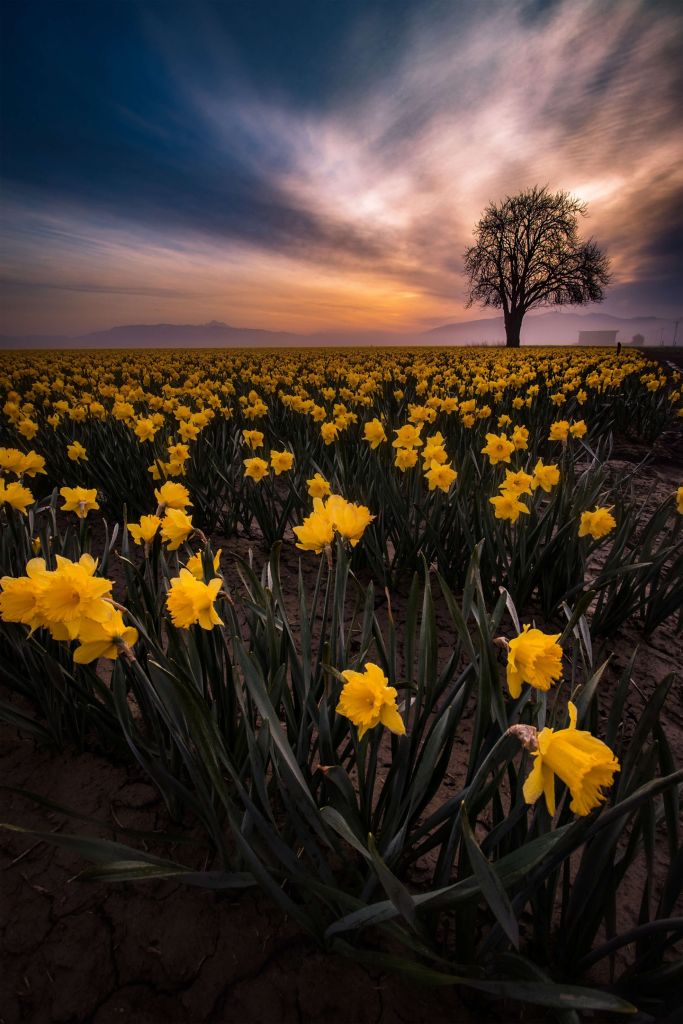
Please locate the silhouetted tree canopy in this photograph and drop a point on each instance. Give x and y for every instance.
(528, 253)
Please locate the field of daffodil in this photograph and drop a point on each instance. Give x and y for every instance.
(299, 588)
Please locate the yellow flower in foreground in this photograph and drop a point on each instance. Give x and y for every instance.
(29, 428)
(508, 506)
(373, 432)
(76, 452)
(440, 476)
(559, 430)
(11, 460)
(535, 658)
(146, 530)
(190, 601)
(498, 448)
(70, 594)
(172, 495)
(545, 477)
(256, 468)
(16, 495)
(348, 519)
(20, 596)
(80, 500)
(408, 436)
(329, 432)
(679, 500)
(145, 429)
(31, 463)
(196, 565)
(368, 700)
(405, 459)
(176, 527)
(106, 639)
(318, 486)
(254, 438)
(517, 483)
(520, 438)
(583, 762)
(598, 523)
(316, 532)
(281, 462)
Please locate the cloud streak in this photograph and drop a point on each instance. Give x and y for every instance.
(253, 197)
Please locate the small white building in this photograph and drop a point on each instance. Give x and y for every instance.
(595, 338)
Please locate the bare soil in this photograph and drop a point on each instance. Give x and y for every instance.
(75, 951)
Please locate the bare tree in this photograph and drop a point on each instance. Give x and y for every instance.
(528, 253)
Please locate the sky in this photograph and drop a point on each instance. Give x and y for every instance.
(316, 165)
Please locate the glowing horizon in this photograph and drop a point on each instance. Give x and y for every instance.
(239, 187)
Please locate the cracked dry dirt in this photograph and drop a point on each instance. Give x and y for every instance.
(157, 953)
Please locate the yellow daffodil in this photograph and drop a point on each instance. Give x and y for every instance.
(405, 459)
(509, 507)
(281, 462)
(196, 564)
(368, 701)
(373, 432)
(597, 524)
(520, 438)
(20, 597)
(584, 763)
(77, 452)
(517, 483)
(440, 476)
(105, 639)
(545, 477)
(176, 527)
(256, 468)
(408, 437)
(559, 430)
(254, 438)
(191, 602)
(318, 486)
(316, 532)
(498, 448)
(172, 495)
(535, 658)
(70, 594)
(16, 495)
(80, 500)
(349, 520)
(146, 530)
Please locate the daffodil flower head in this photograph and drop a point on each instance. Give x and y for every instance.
(172, 495)
(498, 447)
(146, 530)
(534, 657)
(508, 506)
(597, 524)
(281, 462)
(368, 701)
(80, 500)
(584, 763)
(191, 602)
(106, 638)
(176, 527)
(440, 476)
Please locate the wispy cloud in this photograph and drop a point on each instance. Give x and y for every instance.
(354, 208)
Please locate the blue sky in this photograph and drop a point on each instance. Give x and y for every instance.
(313, 166)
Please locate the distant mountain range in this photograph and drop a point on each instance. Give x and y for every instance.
(538, 329)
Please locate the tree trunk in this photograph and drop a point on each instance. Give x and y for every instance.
(513, 326)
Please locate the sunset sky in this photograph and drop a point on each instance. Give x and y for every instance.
(320, 165)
